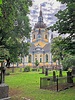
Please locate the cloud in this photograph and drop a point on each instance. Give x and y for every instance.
(49, 9)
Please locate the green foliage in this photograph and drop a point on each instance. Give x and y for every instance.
(0, 8)
(15, 27)
(7, 73)
(68, 62)
(57, 48)
(0, 12)
(0, 1)
(28, 86)
(66, 24)
(36, 63)
(27, 69)
(34, 69)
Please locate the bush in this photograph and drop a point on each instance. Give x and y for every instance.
(7, 73)
(34, 69)
(27, 69)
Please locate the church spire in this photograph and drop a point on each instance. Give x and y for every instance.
(40, 10)
(40, 18)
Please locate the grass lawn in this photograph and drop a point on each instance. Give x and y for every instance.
(27, 85)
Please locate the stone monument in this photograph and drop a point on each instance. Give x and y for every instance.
(4, 89)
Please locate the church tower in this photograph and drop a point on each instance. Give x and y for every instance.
(40, 34)
(40, 46)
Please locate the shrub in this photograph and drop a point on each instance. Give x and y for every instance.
(27, 69)
(36, 63)
(7, 73)
(34, 69)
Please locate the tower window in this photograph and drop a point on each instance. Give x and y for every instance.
(40, 59)
(45, 36)
(34, 37)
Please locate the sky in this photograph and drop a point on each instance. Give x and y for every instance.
(49, 9)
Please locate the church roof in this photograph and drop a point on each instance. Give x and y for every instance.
(40, 25)
(32, 47)
(47, 47)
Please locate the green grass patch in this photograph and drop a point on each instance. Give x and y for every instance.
(27, 85)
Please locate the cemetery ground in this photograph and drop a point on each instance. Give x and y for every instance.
(27, 85)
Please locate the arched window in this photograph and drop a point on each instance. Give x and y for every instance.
(40, 58)
(33, 36)
(46, 57)
(45, 36)
(29, 60)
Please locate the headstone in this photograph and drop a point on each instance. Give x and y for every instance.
(42, 69)
(73, 70)
(54, 76)
(46, 72)
(20, 69)
(69, 77)
(60, 72)
(4, 89)
(12, 69)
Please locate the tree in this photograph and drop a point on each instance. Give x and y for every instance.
(0, 8)
(14, 26)
(68, 62)
(66, 24)
(57, 49)
(36, 63)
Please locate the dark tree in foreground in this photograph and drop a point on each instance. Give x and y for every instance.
(14, 27)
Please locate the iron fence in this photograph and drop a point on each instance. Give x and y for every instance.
(58, 83)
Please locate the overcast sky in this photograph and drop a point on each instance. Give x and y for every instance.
(49, 8)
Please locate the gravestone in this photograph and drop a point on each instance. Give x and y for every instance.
(54, 76)
(46, 72)
(69, 77)
(20, 69)
(12, 69)
(60, 72)
(4, 89)
(73, 70)
(42, 69)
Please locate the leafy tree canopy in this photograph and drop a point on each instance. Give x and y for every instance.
(66, 24)
(14, 26)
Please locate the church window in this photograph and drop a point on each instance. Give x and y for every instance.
(40, 59)
(45, 36)
(46, 57)
(35, 59)
(35, 55)
(33, 36)
(40, 55)
(29, 60)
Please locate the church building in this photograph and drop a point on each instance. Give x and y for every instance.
(40, 45)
